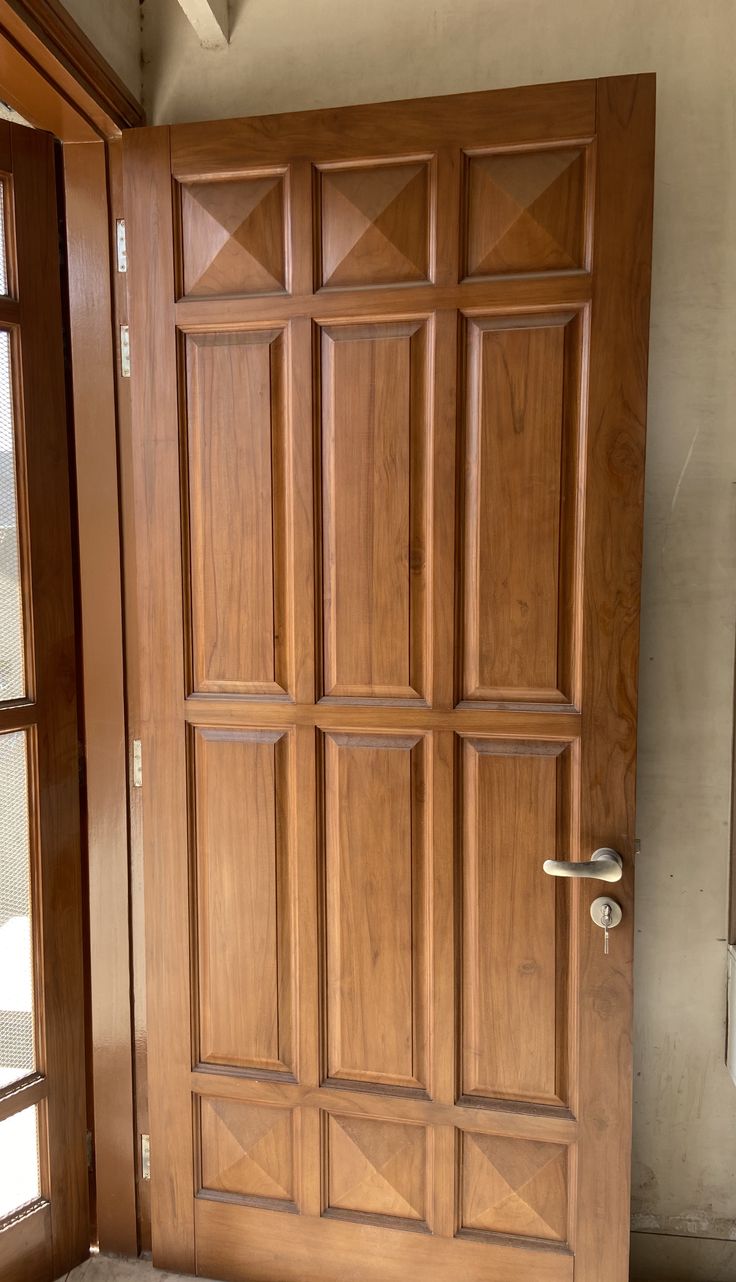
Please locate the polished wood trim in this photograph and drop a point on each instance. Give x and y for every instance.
(158, 576)
(55, 742)
(548, 293)
(291, 1248)
(501, 117)
(22, 1095)
(561, 726)
(103, 678)
(18, 716)
(63, 62)
(532, 1123)
(25, 1246)
(9, 312)
(132, 697)
(613, 536)
(37, 99)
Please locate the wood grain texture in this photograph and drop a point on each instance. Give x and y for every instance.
(243, 879)
(25, 1248)
(514, 1187)
(233, 236)
(525, 211)
(500, 117)
(247, 1152)
(374, 506)
(437, 575)
(44, 427)
(375, 871)
(614, 508)
(287, 1248)
(511, 1024)
(533, 1121)
(103, 678)
(512, 508)
(376, 1169)
(375, 224)
(156, 463)
(237, 498)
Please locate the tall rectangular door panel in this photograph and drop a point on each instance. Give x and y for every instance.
(389, 526)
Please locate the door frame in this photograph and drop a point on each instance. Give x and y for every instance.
(55, 78)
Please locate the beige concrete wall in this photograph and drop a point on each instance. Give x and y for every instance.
(114, 26)
(293, 54)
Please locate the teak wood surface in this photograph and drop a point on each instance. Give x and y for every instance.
(388, 403)
(51, 1236)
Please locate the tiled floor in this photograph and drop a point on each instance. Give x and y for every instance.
(100, 1268)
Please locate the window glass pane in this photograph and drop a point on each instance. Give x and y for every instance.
(3, 253)
(20, 1178)
(12, 668)
(17, 1041)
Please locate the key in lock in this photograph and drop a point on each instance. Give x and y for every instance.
(607, 914)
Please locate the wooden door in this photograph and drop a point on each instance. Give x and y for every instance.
(389, 388)
(44, 1226)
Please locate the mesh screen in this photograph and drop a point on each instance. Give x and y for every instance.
(17, 1049)
(12, 673)
(20, 1179)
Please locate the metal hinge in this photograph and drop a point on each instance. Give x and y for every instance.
(145, 1157)
(125, 351)
(137, 764)
(90, 1152)
(121, 245)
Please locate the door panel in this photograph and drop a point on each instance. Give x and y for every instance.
(374, 393)
(243, 880)
(513, 458)
(376, 897)
(44, 1227)
(392, 671)
(237, 500)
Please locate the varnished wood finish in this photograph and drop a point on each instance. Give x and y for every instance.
(510, 795)
(614, 510)
(512, 508)
(376, 895)
(100, 589)
(374, 463)
(59, 1237)
(383, 611)
(237, 480)
(25, 1247)
(244, 878)
(54, 77)
(156, 464)
(289, 1248)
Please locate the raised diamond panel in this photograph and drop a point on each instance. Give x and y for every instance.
(233, 239)
(247, 1150)
(376, 1168)
(526, 212)
(514, 1186)
(375, 224)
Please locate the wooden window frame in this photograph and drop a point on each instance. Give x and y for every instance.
(55, 78)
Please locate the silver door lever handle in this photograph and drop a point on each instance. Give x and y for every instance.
(605, 865)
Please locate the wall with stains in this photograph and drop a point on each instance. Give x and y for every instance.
(289, 56)
(114, 26)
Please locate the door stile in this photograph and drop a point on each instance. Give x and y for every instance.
(157, 498)
(613, 537)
